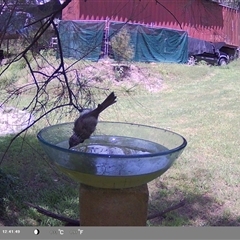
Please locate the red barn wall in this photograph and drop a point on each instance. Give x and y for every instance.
(201, 19)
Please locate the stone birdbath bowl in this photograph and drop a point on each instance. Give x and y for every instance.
(119, 157)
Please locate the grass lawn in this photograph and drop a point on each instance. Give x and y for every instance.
(199, 102)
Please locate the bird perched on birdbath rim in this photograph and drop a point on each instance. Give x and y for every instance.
(86, 124)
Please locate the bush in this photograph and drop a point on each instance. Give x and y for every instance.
(121, 46)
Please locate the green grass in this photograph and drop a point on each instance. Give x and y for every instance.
(200, 102)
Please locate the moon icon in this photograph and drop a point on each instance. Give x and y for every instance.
(36, 231)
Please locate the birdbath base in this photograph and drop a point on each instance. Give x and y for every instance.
(113, 207)
(115, 161)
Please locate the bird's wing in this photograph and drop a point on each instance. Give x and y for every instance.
(84, 127)
(78, 124)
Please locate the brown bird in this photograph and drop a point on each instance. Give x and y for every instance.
(86, 124)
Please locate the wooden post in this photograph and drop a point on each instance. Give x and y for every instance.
(113, 207)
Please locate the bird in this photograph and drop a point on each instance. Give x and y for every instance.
(86, 124)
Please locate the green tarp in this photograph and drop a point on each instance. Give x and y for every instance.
(83, 40)
(155, 44)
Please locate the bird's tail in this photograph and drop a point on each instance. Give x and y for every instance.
(111, 99)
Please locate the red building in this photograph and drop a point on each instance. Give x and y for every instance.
(202, 19)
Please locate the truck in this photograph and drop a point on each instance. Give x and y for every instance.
(215, 53)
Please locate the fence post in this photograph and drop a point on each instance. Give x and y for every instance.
(106, 37)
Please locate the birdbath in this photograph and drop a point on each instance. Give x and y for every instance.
(113, 168)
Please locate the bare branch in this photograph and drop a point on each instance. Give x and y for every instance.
(160, 214)
(45, 212)
(30, 125)
(158, 2)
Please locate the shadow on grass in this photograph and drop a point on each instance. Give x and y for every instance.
(199, 210)
(29, 177)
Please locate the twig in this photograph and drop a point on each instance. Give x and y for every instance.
(68, 220)
(74, 222)
(30, 125)
(158, 2)
(160, 214)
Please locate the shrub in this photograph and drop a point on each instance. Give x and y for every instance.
(121, 46)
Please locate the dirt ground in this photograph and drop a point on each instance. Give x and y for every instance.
(128, 75)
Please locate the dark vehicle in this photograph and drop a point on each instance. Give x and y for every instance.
(200, 50)
(218, 58)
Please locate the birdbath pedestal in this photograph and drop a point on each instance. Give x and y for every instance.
(113, 168)
(113, 207)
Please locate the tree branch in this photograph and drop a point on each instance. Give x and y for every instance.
(162, 213)
(74, 222)
(30, 125)
(157, 1)
(43, 211)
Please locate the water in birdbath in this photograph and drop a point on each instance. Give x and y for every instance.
(114, 156)
(112, 145)
(110, 157)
